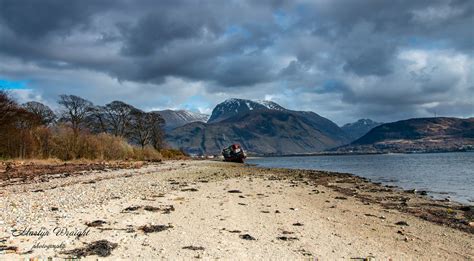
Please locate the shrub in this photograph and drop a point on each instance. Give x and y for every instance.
(109, 147)
(65, 144)
(69, 146)
(146, 154)
(173, 154)
(43, 143)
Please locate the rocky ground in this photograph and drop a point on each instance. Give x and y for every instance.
(210, 210)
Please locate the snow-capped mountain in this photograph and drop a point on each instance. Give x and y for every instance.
(260, 127)
(359, 128)
(178, 118)
(233, 107)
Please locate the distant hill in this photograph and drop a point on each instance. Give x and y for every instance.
(417, 135)
(261, 127)
(178, 118)
(359, 128)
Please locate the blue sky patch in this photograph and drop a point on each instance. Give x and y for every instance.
(193, 103)
(12, 85)
(236, 30)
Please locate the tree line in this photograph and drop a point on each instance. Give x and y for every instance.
(79, 129)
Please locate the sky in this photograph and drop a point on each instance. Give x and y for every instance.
(343, 59)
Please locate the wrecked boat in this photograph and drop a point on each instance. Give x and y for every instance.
(234, 153)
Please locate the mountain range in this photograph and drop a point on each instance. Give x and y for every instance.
(261, 127)
(417, 135)
(266, 128)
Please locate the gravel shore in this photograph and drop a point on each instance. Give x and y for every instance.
(216, 210)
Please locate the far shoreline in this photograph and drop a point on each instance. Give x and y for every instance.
(349, 154)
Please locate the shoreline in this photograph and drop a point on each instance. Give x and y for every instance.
(424, 178)
(211, 209)
(426, 193)
(391, 189)
(354, 154)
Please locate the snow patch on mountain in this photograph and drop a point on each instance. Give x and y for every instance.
(232, 107)
(270, 105)
(178, 118)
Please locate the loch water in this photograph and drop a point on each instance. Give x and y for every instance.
(442, 175)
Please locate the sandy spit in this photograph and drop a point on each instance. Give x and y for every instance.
(216, 210)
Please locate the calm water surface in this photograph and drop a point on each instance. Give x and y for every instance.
(441, 174)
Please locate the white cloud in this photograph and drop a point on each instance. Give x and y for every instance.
(433, 15)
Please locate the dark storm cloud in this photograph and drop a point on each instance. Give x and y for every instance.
(201, 42)
(38, 19)
(161, 28)
(371, 61)
(372, 56)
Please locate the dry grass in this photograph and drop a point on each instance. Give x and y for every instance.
(173, 154)
(50, 145)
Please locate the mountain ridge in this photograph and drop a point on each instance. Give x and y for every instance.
(266, 128)
(178, 118)
(262, 128)
(233, 107)
(417, 135)
(359, 128)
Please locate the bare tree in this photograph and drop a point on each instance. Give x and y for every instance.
(119, 116)
(8, 108)
(42, 112)
(157, 133)
(139, 131)
(75, 110)
(114, 118)
(144, 126)
(96, 121)
(15, 125)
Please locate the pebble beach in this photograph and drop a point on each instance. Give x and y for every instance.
(216, 210)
